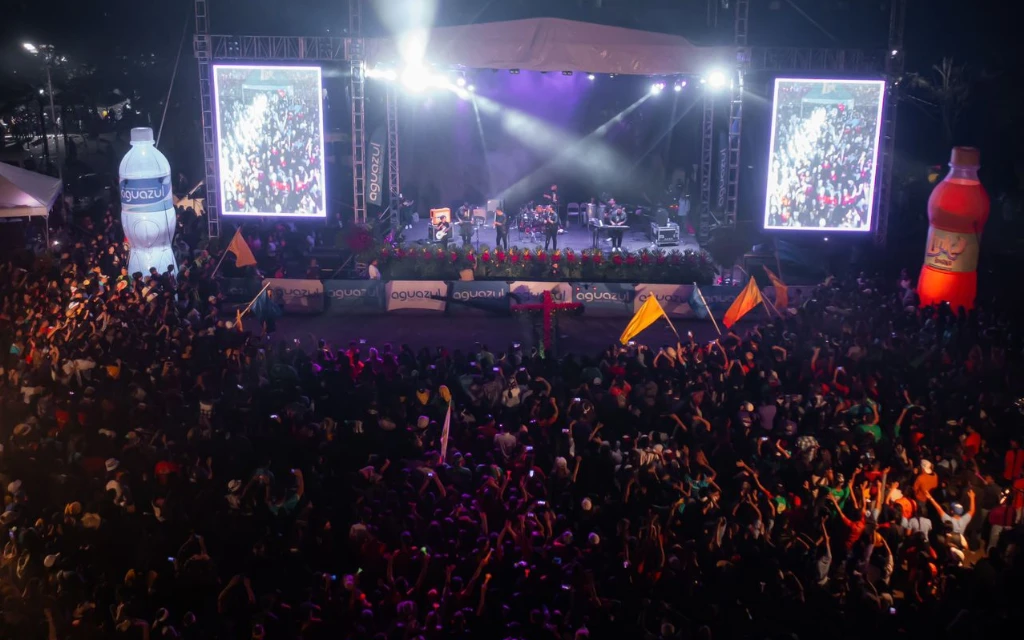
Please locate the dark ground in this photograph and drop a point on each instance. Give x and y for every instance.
(579, 334)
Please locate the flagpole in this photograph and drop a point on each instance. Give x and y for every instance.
(253, 301)
(773, 306)
(670, 325)
(223, 255)
(705, 303)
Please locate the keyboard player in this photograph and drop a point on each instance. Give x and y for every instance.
(617, 222)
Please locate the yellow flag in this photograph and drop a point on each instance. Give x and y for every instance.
(238, 320)
(749, 298)
(781, 290)
(644, 317)
(243, 254)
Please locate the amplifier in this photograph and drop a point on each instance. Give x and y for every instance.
(665, 236)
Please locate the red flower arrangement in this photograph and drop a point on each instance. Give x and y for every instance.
(645, 258)
(485, 256)
(527, 256)
(660, 259)
(514, 258)
(384, 253)
(598, 258)
(500, 255)
(676, 258)
(617, 259)
(454, 257)
(631, 260)
(541, 256)
(584, 258)
(399, 252)
(427, 254)
(570, 257)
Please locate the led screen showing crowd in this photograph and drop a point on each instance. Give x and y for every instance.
(270, 142)
(824, 147)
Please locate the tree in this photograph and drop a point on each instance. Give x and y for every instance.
(944, 94)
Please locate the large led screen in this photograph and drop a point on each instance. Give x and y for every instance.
(823, 154)
(270, 140)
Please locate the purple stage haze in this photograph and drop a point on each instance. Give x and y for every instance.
(525, 133)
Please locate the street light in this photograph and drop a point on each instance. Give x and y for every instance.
(47, 59)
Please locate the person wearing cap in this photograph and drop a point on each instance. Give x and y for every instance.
(957, 518)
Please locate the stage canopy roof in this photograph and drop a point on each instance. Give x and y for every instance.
(553, 44)
(24, 193)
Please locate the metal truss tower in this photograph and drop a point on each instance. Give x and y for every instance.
(707, 140)
(394, 180)
(732, 188)
(203, 50)
(357, 86)
(893, 71)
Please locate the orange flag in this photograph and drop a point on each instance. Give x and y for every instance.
(781, 290)
(749, 298)
(243, 254)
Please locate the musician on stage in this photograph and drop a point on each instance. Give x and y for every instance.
(552, 199)
(466, 224)
(443, 231)
(500, 229)
(550, 229)
(617, 220)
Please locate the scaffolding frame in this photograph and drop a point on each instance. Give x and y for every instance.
(394, 180)
(357, 90)
(893, 72)
(201, 46)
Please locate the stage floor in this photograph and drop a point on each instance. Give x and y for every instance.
(575, 237)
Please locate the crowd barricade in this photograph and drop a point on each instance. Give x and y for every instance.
(353, 297)
(239, 290)
(608, 299)
(478, 297)
(416, 296)
(603, 299)
(298, 296)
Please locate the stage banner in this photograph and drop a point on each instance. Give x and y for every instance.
(478, 297)
(529, 292)
(428, 295)
(604, 299)
(375, 165)
(719, 299)
(298, 296)
(239, 290)
(350, 297)
(674, 298)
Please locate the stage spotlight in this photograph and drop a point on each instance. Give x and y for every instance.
(567, 73)
(514, 71)
(460, 81)
(383, 74)
(657, 87)
(717, 79)
(895, 52)
(416, 79)
(471, 88)
(590, 76)
(677, 88)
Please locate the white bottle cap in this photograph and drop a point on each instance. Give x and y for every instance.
(142, 134)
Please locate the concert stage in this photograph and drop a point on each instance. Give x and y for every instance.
(575, 237)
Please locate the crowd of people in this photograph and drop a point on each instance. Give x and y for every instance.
(822, 163)
(271, 142)
(856, 468)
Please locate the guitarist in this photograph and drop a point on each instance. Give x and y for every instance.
(443, 231)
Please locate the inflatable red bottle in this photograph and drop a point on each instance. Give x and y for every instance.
(957, 212)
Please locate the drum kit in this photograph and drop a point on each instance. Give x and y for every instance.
(530, 222)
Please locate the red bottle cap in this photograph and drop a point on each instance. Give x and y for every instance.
(965, 157)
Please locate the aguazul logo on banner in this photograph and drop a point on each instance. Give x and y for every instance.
(354, 296)
(298, 296)
(479, 296)
(674, 299)
(529, 292)
(145, 191)
(375, 167)
(607, 299)
(423, 296)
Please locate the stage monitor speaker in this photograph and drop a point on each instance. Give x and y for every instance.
(479, 213)
(492, 205)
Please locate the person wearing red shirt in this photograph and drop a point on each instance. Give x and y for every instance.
(855, 526)
(1014, 461)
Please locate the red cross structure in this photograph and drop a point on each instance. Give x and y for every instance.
(548, 307)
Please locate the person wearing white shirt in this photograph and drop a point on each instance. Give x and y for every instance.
(372, 271)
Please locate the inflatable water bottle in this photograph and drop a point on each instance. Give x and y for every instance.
(147, 212)
(957, 212)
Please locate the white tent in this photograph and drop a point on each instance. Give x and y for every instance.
(553, 44)
(26, 194)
